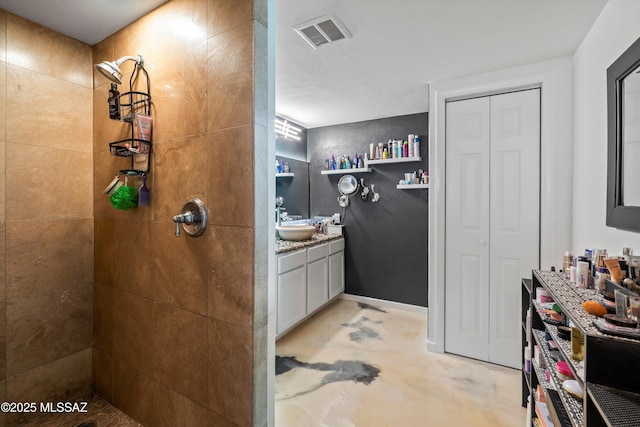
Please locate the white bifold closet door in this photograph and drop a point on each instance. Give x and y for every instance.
(492, 221)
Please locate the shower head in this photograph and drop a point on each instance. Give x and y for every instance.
(111, 69)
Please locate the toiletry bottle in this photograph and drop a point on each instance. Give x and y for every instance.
(405, 149)
(332, 163)
(385, 154)
(416, 146)
(114, 102)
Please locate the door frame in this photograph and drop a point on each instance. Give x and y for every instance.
(555, 80)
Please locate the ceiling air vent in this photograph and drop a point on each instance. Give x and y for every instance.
(323, 30)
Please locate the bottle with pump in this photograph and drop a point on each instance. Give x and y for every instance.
(114, 102)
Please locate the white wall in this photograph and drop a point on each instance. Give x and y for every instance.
(613, 32)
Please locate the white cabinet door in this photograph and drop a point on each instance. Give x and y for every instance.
(492, 221)
(336, 273)
(292, 298)
(317, 284)
(292, 290)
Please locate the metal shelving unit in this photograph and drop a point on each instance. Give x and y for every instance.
(611, 391)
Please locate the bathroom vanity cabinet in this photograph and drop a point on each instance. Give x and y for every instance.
(607, 374)
(307, 280)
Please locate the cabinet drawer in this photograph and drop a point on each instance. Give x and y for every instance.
(290, 261)
(336, 246)
(316, 252)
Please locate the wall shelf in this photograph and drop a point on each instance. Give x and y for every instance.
(284, 175)
(343, 171)
(396, 160)
(412, 186)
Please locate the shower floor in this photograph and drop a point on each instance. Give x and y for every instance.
(100, 413)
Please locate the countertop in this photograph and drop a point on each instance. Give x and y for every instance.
(283, 246)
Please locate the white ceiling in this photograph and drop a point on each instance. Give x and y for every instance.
(398, 46)
(89, 21)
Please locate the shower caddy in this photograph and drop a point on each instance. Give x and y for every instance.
(139, 150)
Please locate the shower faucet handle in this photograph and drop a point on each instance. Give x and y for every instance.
(193, 218)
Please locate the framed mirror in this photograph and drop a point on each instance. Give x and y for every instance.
(623, 140)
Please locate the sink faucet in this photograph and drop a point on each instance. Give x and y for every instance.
(279, 202)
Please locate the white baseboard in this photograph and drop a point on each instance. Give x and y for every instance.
(385, 303)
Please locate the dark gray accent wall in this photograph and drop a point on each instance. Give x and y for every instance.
(386, 242)
(295, 190)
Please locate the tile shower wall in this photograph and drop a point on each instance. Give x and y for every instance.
(180, 323)
(46, 211)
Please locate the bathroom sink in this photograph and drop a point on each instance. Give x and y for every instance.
(295, 231)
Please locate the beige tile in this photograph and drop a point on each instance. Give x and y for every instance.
(104, 300)
(3, 339)
(2, 175)
(47, 183)
(133, 333)
(231, 283)
(174, 409)
(179, 268)
(231, 177)
(180, 347)
(230, 78)
(133, 392)
(132, 268)
(180, 173)
(45, 51)
(104, 254)
(58, 381)
(47, 255)
(227, 14)
(180, 100)
(231, 372)
(102, 369)
(61, 110)
(3, 35)
(47, 326)
(3, 397)
(3, 260)
(216, 420)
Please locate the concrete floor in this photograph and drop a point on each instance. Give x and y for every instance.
(354, 364)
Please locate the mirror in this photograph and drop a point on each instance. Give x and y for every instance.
(623, 134)
(295, 189)
(348, 185)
